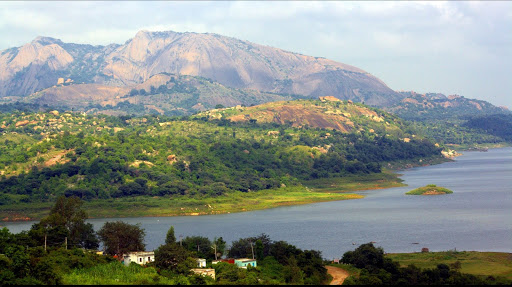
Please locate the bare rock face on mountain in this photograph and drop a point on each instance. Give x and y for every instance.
(228, 61)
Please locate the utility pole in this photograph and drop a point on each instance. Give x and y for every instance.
(252, 250)
(45, 235)
(215, 250)
(66, 242)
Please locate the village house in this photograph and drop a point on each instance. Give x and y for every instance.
(244, 262)
(141, 257)
(204, 272)
(201, 263)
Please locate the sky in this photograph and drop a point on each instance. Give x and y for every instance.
(452, 47)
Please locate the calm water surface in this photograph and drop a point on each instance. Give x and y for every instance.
(477, 216)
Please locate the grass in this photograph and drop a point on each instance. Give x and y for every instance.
(321, 190)
(115, 273)
(430, 189)
(164, 206)
(382, 180)
(472, 262)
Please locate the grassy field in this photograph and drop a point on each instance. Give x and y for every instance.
(382, 180)
(165, 206)
(472, 262)
(115, 273)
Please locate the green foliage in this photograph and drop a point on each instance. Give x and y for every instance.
(120, 238)
(173, 257)
(429, 189)
(200, 246)
(66, 225)
(170, 238)
(115, 273)
(97, 158)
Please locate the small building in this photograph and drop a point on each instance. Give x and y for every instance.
(244, 262)
(336, 260)
(424, 249)
(141, 257)
(204, 272)
(201, 263)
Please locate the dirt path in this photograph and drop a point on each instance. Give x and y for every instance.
(338, 275)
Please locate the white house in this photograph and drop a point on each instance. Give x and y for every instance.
(141, 257)
(201, 263)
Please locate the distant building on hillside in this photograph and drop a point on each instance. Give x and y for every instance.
(244, 262)
(204, 272)
(141, 257)
(201, 263)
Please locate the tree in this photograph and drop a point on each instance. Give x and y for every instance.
(119, 238)
(365, 256)
(172, 257)
(170, 238)
(66, 220)
(200, 245)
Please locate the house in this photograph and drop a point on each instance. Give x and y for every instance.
(201, 263)
(141, 257)
(204, 272)
(244, 262)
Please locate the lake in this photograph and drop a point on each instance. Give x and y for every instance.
(476, 217)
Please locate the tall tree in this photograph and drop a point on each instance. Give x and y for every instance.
(119, 238)
(170, 238)
(66, 220)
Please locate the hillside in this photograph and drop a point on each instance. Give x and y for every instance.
(47, 154)
(436, 106)
(326, 113)
(455, 120)
(165, 94)
(231, 62)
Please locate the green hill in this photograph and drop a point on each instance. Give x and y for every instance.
(48, 154)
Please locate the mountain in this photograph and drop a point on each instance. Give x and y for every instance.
(436, 106)
(48, 62)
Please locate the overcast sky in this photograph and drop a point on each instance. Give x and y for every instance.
(451, 47)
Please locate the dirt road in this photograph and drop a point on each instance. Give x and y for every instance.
(338, 275)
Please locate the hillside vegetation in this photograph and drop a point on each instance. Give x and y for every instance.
(162, 94)
(430, 189)
(45, 155)
(455, 120)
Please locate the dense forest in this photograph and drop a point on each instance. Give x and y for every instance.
(48, 154)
